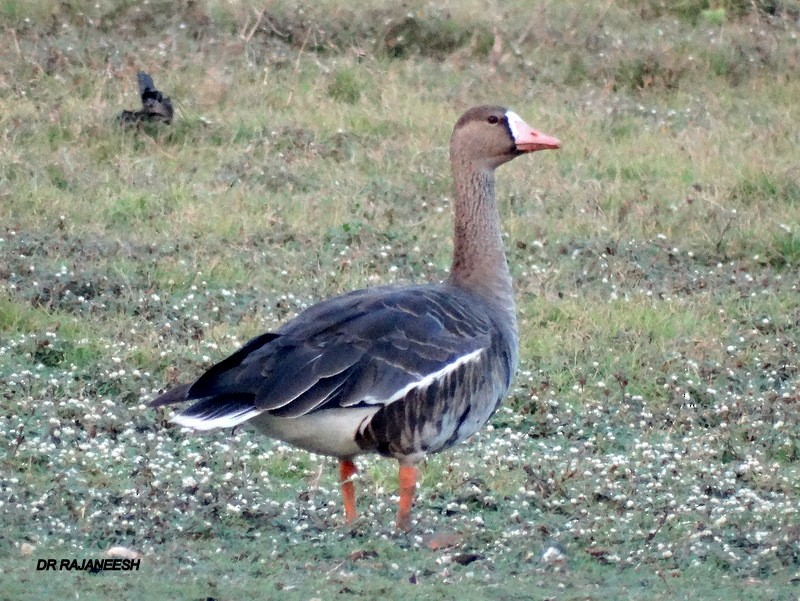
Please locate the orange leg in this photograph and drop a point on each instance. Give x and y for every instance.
(348, 469)
(408, 482)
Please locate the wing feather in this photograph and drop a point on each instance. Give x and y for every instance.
(369, 347)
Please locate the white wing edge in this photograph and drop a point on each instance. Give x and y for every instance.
(224, 421)
(429, 379)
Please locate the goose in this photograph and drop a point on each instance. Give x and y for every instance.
(402, 371)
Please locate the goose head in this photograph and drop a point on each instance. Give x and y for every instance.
(488, 136)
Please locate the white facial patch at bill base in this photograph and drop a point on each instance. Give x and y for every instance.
(517, 126)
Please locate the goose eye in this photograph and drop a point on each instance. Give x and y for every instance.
(493, 119)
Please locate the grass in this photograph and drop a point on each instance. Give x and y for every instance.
(652, 433)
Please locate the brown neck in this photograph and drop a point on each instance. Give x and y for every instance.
(479, 259)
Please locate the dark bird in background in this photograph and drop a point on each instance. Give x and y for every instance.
(155, 106)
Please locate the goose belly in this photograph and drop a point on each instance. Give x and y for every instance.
(327, 432)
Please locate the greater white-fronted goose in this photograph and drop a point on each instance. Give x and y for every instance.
(402, 371)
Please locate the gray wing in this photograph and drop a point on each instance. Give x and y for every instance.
(366, 348)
